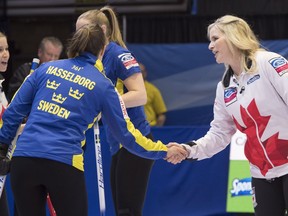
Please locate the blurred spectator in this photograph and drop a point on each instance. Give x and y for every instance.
(50, 48)
(155, 108)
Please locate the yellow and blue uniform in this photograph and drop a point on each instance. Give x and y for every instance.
(119, 64)
(129, 174)
(63, 99)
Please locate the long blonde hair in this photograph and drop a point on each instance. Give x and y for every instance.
(240, 38)
(105, 16)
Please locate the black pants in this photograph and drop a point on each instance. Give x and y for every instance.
(4, 209)
(33, 178)
(270, 196)
(129, 176)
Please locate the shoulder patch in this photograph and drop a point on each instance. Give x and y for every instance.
(279, 64)
(128, 60)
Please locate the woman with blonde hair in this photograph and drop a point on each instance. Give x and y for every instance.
(129, 174)
(253, 98)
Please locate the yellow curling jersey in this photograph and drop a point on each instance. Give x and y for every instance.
(155, 105)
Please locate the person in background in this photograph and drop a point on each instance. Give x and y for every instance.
(129, 173)
(155, 108)
(48, 155)
(4, 58)
(50, 48)
(253, 98)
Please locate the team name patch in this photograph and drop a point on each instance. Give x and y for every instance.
(128, 60)
(279, 64)
(254, 78)
(230, 95)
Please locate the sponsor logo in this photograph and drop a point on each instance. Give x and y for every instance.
(254, 198)
(230, 95)
(241, 187)
(100, 163)
(280, 65)
(128, 60)
(254, 78)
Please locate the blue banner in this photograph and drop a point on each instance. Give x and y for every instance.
(187, 76)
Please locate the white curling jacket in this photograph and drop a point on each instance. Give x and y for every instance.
(255, 104)
(3, 100)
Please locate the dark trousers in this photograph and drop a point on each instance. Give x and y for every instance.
(4, 209)
(270, 196)
(129, 176)
(33, 178)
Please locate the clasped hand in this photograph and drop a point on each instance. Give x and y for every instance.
(176, 153)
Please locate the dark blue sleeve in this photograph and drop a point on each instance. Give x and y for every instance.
(115, 116)
(19, 108)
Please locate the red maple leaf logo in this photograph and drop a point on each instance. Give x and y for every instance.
(264, 154)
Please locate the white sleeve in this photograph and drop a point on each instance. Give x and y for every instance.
(220, 133)
(3, 99)
(275, 68)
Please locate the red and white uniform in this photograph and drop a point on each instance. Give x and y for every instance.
(255, 104)
(3, 100)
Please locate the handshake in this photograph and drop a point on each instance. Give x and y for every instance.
(176, 153)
